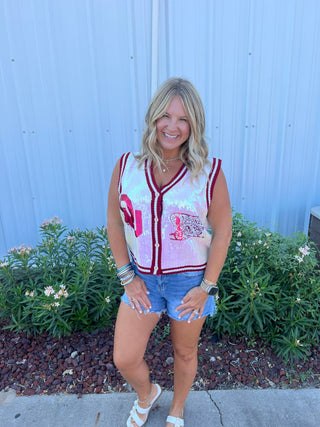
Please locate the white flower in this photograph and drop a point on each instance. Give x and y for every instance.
(48, 291)
(298, 299)
(259, 241)
(305, 250)
(239, 243)
(268, 234)
(4, 264)
(55, 220)
(299, 258)
(29, 294)
(298, 343)
(108, 299)
(239, 234)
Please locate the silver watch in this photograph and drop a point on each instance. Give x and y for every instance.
(209, 289)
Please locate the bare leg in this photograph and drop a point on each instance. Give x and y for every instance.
(185, 337)
(132, 333)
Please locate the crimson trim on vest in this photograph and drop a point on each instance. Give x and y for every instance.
(213, 175)
(123, 162)
(159, 208)
(181, 173)
(156, 212)
(178, 176)
(184, 269)
(154, 215)
(173, 270)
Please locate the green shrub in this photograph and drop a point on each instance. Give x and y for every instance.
(270, 287)
(67, 282)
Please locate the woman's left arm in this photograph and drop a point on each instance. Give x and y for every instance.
(220, 219)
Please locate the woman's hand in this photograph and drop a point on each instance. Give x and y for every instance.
(137, 293)
(194, 302)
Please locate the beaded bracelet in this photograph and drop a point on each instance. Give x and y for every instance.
(128, 280)
(124, 269)
(126, 274)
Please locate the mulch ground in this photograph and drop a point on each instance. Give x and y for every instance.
(82, 363)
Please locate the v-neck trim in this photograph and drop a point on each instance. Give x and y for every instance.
(152, 181)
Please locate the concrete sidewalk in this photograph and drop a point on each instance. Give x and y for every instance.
(228, 408)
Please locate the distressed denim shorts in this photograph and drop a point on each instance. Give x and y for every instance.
(168, 290)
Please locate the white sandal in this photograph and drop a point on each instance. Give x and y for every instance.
(176, 421)
(136, 409)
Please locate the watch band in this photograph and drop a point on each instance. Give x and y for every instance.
(207, 282)
(208, 288)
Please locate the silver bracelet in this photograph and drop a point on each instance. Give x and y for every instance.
(128, 279)
(124, 272)
(208, 283)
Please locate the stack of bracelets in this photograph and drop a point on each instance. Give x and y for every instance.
(126, 274)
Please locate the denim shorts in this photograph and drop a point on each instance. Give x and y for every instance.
(168, 290)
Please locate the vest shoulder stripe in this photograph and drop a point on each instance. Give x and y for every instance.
(123, 162)
(213, 175)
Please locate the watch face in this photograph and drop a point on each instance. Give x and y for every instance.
(213, 291)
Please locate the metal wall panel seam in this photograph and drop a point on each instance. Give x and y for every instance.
(101, 190)
(245, 136)
(134, 86)
(155, 46)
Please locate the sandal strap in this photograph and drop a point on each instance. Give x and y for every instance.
(146, 410)
(134, 416)
(142, 410)
(136, 409)
(178, 422)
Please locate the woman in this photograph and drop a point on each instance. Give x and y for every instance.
(161, 203)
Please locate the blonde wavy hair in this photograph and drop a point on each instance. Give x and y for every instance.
(194, 151)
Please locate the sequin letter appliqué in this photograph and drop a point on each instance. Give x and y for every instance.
(131, 216)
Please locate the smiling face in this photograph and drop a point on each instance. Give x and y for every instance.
(173, 129)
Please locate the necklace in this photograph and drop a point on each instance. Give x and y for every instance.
(171, 160)
(166, 161)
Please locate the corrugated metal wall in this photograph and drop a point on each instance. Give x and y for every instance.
(76, 77)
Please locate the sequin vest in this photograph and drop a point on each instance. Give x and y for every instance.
(166, 228)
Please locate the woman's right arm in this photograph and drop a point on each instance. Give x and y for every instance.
(115, 229)
(137, 288)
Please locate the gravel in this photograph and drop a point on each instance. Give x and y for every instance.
(82, 363)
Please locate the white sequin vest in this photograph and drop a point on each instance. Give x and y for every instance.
(166, 228)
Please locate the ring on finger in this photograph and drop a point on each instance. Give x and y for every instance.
(133, 300)
(196, 311)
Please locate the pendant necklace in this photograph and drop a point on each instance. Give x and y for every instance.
(166, 161)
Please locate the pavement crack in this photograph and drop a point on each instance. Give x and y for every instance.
(217, 406)
(97, 419)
